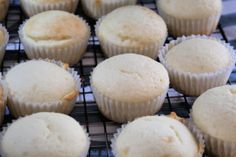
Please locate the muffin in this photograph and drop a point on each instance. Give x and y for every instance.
(4, 37)
(129, 86)
(4, 5)
(99, 8)
(158, 136)
(38, 85)
(55, 35)
(121, 32)
(45, 135)
(33, 7)
(187, 17)
(197, 63)
(214, 113)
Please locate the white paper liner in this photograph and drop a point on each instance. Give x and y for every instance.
(110, 49)
(179, 27)
(69, 53)
(193, 129)
(191, 83)
(31, 8)
(3, 9)
(97, 10)
(4, 44)
(121, 112)
(4, 130)
(18, 107)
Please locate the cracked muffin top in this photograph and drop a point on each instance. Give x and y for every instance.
(45, 134)
(132, 26)
(130, 78)
(158, 136)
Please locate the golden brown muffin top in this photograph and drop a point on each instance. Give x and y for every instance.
(55, 26)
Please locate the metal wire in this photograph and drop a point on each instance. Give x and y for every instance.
(86, 112)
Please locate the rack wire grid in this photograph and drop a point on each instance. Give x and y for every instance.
(100, 129)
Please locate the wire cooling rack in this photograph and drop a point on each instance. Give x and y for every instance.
(100, 129)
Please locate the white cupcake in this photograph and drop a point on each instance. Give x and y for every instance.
(142, 32)
(214, 112)
(55, 35)
(129, 86)
(4, 5)
(37, 86)
(158, 136)
(187, 17)
(197, 63)
(33, 7)
(44, 135)
(4, 37)
(99, 8)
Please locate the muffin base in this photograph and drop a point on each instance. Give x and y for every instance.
(97, 10)
(110, 49)
(193, 129)
(18, 107)
(31, 9)
(179, 27)
(69, 53)
(191, 83)
(123, 111)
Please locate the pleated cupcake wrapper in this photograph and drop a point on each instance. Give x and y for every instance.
(111, 49)
(4, 44)
(4, 130)
(193, 129)
(179, 27)
(123, 111)
(31, 8)
(96, 11)
(69, 53)
(19, 107)
(191, 83)
(4, 10)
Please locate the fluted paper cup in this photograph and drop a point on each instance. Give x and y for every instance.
(179, 27)
(110, 49)
(70, 52)
(32, 8)
(195, 84)
(19, 107)
(121, 112)
(97, 9)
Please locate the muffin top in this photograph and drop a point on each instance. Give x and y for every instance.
(142, 27)
(55, 26)
(199, 55)
(159, 135)
(39, 81)
(214, 112)
(45, 134)
(130, 78)
(190, 9)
